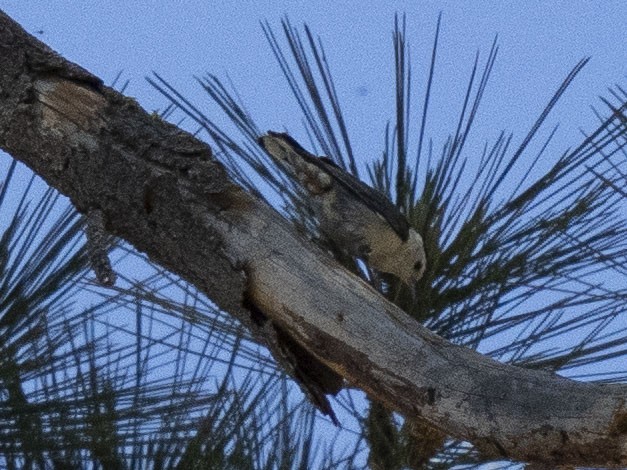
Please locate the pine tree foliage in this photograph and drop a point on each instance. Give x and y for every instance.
(145, 375)
(517, 266)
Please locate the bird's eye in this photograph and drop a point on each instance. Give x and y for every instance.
(418, 266)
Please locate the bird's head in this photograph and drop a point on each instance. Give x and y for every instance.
(420, 263)
(416, 261)
(415, 266)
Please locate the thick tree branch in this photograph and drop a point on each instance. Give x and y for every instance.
(160, 189)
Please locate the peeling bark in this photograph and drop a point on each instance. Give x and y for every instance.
(161, 190)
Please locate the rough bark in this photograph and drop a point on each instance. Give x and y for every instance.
(161, 190)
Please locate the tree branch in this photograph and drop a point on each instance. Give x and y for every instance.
(160, 189)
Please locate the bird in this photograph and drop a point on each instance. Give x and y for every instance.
(357, 218)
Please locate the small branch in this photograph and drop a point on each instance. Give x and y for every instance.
(98, 248)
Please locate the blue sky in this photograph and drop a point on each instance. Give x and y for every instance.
(540, 42)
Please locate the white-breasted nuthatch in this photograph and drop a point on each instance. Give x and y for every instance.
(359, 219)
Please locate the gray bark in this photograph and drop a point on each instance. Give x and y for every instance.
(161, 190)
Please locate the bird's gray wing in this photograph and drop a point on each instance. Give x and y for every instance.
(373, 199)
